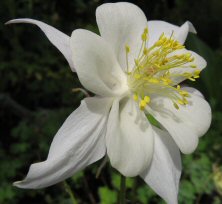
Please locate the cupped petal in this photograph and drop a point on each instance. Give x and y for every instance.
(96, 64)
(56, 37)
(156, 28)
(164, 173)
(79, 142)
(129, 138)
(122, 24)
(186, 124)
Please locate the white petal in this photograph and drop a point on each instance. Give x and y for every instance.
(96, 64)
(199, 61)
(56, 37)
(122, 24)
(186, 124)
(163, 175)
(156, 28)
(79, 142)
(129, 138)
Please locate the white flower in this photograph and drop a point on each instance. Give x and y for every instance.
(133, 68)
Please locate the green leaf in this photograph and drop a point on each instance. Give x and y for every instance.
(153, 121)
(107, 196)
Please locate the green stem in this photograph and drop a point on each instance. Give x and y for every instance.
(69, 191)
(122, 193)
(134, 190)
(102, 165)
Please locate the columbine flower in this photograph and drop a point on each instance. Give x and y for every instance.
(134, 68)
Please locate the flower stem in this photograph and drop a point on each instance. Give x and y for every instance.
(122, 193)
(69, 191)
(102, 165)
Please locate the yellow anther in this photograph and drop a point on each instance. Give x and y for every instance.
(197, 72)
(179, 56)
(153, 80)
(167, 45)
(175, 43)
(137, 76)
(166, 80)
(180, 102)
(127, 48)
(145, 30)
(142, 104)
(147, 99)
(135, 97)
(191, 59)
(183, 57)
(145, 51)
(178, 87)
(188, 55)
(144, 36)
(178, 47)
(193, 66)
(184, 93)
(192, 79)
(159, 42)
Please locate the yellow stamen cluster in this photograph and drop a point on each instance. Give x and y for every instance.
(151, 73)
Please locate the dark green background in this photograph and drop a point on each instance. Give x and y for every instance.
(36, 97)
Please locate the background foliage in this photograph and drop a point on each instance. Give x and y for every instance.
(36, 96)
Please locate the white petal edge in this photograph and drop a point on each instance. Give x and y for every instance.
(122, 24)
(56, 37)
(164, 173)
(129, 138)
(156, 28)
(182, 33)
(79, 142)
(186, 124)
(96, 64)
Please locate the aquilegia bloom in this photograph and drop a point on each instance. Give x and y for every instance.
(134, 69)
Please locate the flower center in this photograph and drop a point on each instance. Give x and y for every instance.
(152, 73)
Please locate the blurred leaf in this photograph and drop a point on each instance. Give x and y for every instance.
(212, 75)
(107, 196)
